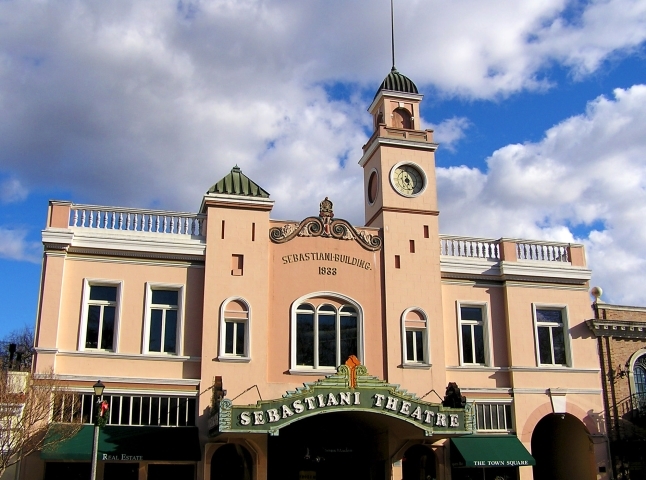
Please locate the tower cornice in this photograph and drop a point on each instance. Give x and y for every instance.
(420, 142)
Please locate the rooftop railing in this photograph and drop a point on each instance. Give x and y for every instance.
(136, 220)
(511, 250)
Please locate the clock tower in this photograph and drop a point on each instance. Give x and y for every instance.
(401, 199)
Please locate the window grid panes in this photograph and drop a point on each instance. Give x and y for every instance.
(235, 342)
(493, 417)
(472, 334)
(415, 346)
(163, 321)
(131, 410)
(101, 312)
(550, 333)
(325, 336)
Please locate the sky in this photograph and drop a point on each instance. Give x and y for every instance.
(539, 108)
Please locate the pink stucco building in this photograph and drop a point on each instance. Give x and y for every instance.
(205, 326)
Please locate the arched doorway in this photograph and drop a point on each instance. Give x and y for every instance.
(418, 463)
(562, 449)
(402, 118)
(231, 462)
(336, 446)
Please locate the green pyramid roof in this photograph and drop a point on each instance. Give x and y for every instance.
(237, 183)
(397, 82)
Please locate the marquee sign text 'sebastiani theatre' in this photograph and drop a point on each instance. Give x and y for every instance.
(350, 389)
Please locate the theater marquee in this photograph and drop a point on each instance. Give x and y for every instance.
(351, 389)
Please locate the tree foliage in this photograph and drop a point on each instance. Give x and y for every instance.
(27, 404)
(17, 350)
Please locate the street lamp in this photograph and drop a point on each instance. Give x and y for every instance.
(98, 393)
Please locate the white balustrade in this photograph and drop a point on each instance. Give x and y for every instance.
(453, 246)
(546, 252)
(470, 247)
(137, 220)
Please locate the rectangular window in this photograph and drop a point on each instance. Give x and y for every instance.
(493, 417)
(163, 321)
(164, 317)
(100, 316)
(133, 410)
(550, 336)
(472, 335)
(234, 338)
(237, 265)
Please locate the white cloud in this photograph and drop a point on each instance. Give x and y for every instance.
(449, 132)
(14, 246)
(148, 103)
(587, 171)
(12, 191)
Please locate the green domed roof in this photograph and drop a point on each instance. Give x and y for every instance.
(237, 183)
(397, 82)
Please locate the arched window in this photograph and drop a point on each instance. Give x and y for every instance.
(235, 316)
(639, 377)
(325, 332)
(402, 118)
(415, 350)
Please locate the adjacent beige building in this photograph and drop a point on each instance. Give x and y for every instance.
(205, 326)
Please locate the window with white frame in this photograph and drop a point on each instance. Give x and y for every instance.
(163, 318)
(551, 339)
(415, 337)
(325, 333)
(234, 331)
(473, 334)
(126, 409)
(100, 315)
(493, 417)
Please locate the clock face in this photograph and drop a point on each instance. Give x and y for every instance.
(408, 180)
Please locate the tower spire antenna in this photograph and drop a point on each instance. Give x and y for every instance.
(392, 32)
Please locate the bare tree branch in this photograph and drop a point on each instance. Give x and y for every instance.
(28, 402)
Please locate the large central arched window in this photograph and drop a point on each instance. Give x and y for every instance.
(325, 332)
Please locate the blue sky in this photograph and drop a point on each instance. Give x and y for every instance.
(539, 108)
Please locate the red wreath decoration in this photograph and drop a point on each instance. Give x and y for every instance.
(103, 414)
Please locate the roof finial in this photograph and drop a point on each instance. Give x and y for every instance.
(392, 32)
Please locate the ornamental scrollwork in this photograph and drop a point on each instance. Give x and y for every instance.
(325, 225)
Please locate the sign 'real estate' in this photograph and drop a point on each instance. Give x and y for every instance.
(350, 389)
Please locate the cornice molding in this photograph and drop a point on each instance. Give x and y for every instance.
(235, 201)
(393, 94)
(134, 380)
(128, 356)
(617, 328)
(132, 244)
(395, 142)
(413, 211)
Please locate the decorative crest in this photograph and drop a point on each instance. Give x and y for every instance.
(326, 209)
(325, 225)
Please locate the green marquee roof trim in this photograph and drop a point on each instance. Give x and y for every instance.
(237, 183)
(489, 451)
(397, 82)
(126, 443)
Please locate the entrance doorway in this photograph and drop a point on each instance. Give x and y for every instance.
(231, 462)
(562, 449)
(333, 446)
(419, 464)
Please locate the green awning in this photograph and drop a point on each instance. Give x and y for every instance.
(128, 444)
(489, 451)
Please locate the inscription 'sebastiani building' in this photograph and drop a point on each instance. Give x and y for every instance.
(234, 346)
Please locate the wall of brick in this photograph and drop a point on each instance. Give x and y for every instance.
(623, 314)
